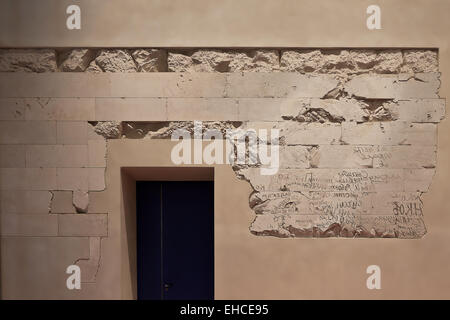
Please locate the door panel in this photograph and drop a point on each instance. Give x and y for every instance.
(148, 224)
(175, 240)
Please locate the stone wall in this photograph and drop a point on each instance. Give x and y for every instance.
(358, 135)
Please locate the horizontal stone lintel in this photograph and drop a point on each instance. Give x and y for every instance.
(341, 180)
(207, 109)
(183, 85)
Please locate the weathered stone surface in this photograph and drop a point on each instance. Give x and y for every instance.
(310, 133)
(27, 60)
(301, 61)
(400, 86)
(108, 129)
(324, 110)
(389, 133)
(295, 156)
(256, 61)
(76, 60)
(373, 156)
(337, 180)
(341, 61)
(420, 61)
(93, 68)
(322, 226)
(112, 60)
(224, 61)
(417, 110)
(388, 61)
(81, 201)
(278, 85)
(150, 60)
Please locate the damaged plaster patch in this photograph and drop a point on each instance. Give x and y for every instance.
(89, 267)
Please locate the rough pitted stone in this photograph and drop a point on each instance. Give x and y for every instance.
(255, 61)
(363, 59)
(164, 130)
(224, 61)
(341, 61)
(178, 62)
(325, 110)
(108, 129)
(200, 61)
(76, 60)
(420, 61)
(27, 60)
(93, 68)
(301, 61)
(388, 61)
(150, 60)
(115, 61)
(394, 86)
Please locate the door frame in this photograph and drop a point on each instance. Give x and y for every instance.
(129, 176)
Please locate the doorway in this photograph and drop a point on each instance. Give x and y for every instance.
(175, 240)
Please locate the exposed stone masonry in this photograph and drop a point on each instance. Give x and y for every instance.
(357, 146)
(334, 61)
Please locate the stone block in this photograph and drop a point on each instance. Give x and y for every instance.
(130, 109)
(296, 133)
(72, 179)
(76, 60)
(27, 132)
(402, 86)
(12, 156)
(61, 156)
(420, 61)
(62, 202)
(36, 225)
(278, 85)
(207, 109)
(67, 109)
(150, 60)
(418, 110)
(25, 202)
(97, 153)
(98, 201)
(27, 60)
(389, 133)
(12, 109)
(81, 225)
(327, 180)
(28, 178)
(115, 60)
(72, 132)
(374, 156)
(96, 179)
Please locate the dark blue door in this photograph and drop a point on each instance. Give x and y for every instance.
(175, 240)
